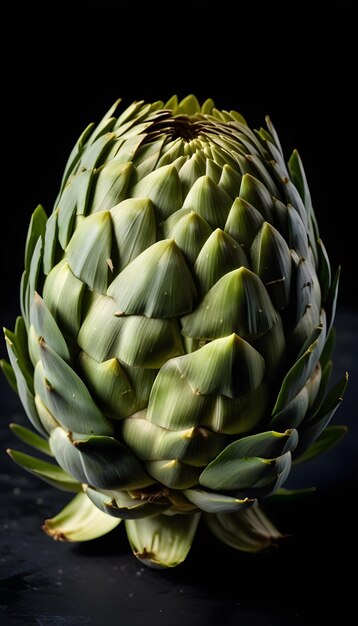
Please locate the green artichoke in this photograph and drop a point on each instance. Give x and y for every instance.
(175, 342)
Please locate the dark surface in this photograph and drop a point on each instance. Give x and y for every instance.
(304, 581)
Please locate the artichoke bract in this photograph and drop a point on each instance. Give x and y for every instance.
(175, 342)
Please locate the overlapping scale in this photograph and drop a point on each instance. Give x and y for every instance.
(178, 340)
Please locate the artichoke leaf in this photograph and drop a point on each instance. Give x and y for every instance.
(245, 462)
(291, 495)
(100, 461)
(300, 372)
(9, 374)
(44, 325)
(32, 277)
(228, 366)
(162, 541)
(238, 302)
(134, 228)
(73, 199)
(76, 155)
(50, 242)
(195, 446)
(162, 187)
(326, 440)
(63, 294)
(32, 439)
(110, 185)
(189, 231)
(22, 385)
(122, 505)
(36, 230)
(243, 222)
(219, 255)
(209, 200)
(80, 520)
(173, 473)
(210, 502)
(66, 396)
(89, 251)
(249, 530)
(157, 283)
(315, 425)
(255, 193)
(49, 472)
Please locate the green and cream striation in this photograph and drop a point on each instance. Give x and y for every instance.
(176, 334)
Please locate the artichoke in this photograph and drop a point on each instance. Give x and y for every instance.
(175, 342)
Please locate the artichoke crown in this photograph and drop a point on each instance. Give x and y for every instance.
(175, 339)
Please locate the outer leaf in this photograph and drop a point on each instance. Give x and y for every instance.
(315, 425)
(291, 495)
(76, 153)
(100, 461)
(216, 502)
(123, 505)
(9, 374)
(44, 325)
(244, 463)
(66, 396)
(25, 394)
(33, 277)
(73, 199)
(249, 530)
(327, 440)
(195, 446)
(50, 473)
(36, 229)
(324, 270)
(80, 520)
(299, 374)
(32, 439)
(162, 541)
(331, 303)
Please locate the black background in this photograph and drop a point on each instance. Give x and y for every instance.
(61, 69)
